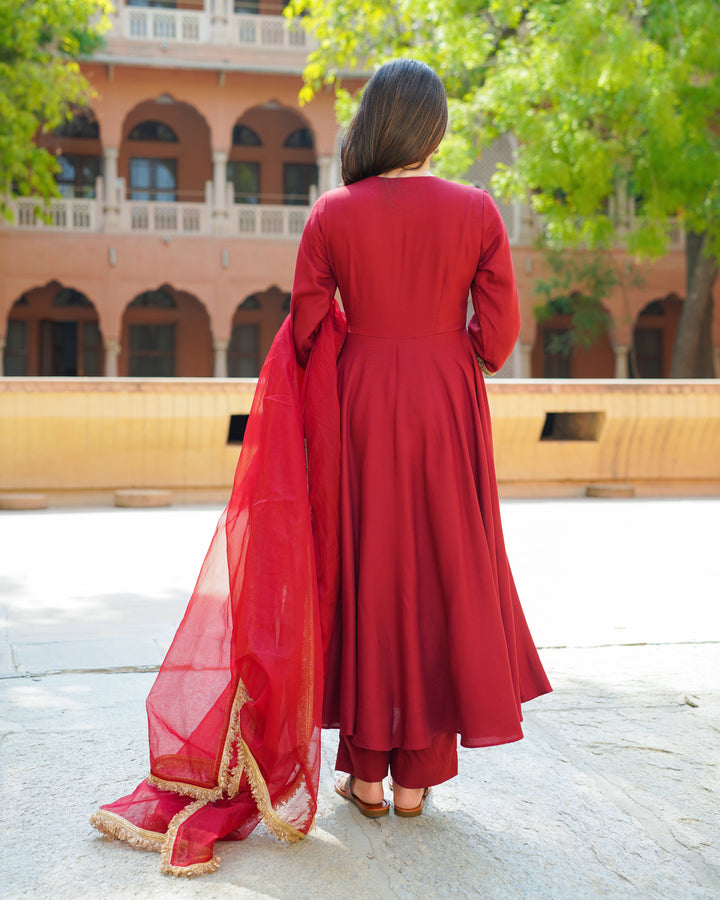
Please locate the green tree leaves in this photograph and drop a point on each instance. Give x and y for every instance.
(40, 83)
(615, 104)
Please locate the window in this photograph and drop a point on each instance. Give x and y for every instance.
(243, 352)
(152, 351)
(298, 179)
(153, 179)
(82, 125)
(77, 175)
(247, 6)
(556, 353)
(69, 297)
(156, 299)
(245, 179)
(153, 131)
(153, 4)
(243, 136)
(15, 355)
(300, 139)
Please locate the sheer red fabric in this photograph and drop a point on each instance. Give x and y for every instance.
(234, 715)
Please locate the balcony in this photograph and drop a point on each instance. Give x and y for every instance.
(146, 24)
(68, 214)
(268, 221)
(120, 215)
(214, 24)
(268, 31)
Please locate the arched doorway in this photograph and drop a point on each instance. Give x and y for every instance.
(165, 154)
(77, 146)
(53, 331)
(272, 157)
(654, 337)
(255, 324)
(166, 334)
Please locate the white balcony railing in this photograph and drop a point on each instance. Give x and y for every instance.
(65, 215)
(268, 31)
(148, 217)
(147, 24)
(268, 221)
(214, 24)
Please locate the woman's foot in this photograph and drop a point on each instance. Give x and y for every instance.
(347, 786)
(408, 802)
(368, 791)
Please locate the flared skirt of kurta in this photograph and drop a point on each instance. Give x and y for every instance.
(429, 635)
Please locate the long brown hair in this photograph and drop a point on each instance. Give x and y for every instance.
(401, 120)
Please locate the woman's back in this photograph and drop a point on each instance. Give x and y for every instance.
(404, 252)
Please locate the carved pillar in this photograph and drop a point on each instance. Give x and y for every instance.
(219, 22)
(622, 351)
(325, 165)
(112, 354)
(219, 191)
(111, 206)
(527, 350)
(220, 347)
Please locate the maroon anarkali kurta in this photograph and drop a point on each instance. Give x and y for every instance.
(429, 635)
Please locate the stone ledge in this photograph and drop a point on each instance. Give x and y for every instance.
(613, 490)
(142, 498)
(23, 501)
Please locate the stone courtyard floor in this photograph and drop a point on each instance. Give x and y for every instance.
(614, 793)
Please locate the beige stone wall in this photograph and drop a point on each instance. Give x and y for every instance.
(89, 437)
(663, 437)
(79, 439)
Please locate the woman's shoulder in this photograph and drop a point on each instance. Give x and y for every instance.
(376, 183)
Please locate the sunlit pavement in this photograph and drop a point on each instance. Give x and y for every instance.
(615, 792)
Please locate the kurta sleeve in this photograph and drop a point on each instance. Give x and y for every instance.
(495, 325)
(314, 284)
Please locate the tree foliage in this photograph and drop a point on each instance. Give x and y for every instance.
(41, 83)
(615, 105)
(576, 285)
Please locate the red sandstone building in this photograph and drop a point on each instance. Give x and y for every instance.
(185, 188)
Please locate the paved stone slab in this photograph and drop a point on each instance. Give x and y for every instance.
(7, 664)
(614, 793)
(602, 799)
(88, 655)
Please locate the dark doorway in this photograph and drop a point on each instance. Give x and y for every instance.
(68, 349)
(59, 348)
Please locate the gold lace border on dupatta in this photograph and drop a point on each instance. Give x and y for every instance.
(229, 777)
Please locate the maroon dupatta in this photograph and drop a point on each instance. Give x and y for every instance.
(234, 715)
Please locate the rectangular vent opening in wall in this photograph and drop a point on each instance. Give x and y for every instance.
(236, 431)
(572, 426)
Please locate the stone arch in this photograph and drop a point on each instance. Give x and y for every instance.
(553, 356)
(165, 333)
(166, 170)
(53, 330)
(77, 144)
(654, 333)
(255, 323)
(270, 172)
